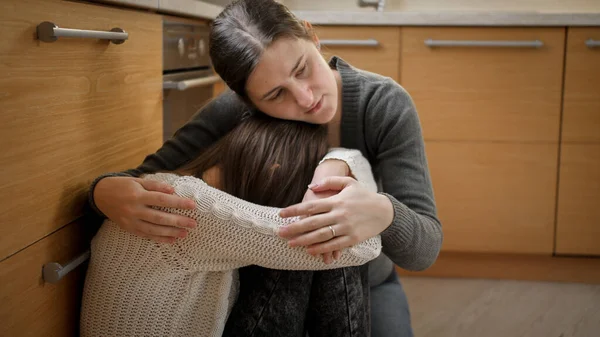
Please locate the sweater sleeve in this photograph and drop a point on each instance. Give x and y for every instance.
(358, 164)
(209, 124)
(233, 233)
(414, 238)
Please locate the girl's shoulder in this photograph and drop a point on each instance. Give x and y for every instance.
(173, 179)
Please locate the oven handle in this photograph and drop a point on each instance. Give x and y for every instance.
(188, 84)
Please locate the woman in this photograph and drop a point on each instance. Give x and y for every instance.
(135, 287)
(271, 62)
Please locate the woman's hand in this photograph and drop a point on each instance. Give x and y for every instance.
(312, 195)
(128, 202)
(328, 168)
(355, 214)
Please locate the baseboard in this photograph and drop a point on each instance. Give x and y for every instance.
(513, 267)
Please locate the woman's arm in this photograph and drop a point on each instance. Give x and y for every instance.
(414, 238)
(405, 215)
(127, 200)
(233, 233)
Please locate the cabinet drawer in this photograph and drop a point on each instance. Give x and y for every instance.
(578, 218)
(485, 93)
(71, 110)
(31, 307)
(383, 59)
(581, 114)
(495, 197)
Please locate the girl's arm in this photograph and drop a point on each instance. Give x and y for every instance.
(233, 233)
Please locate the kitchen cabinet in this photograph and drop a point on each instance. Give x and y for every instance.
(70, 110)
(31, 307)
(578, 215)
(491, 119)
(354, 44)
(495, 196)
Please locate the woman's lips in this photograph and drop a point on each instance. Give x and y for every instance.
(317, 107)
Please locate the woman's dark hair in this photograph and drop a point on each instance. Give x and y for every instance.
(242, 31)
(265, 160)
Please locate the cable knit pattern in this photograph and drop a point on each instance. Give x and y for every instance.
(136, 287)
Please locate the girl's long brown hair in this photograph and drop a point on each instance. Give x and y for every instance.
(265, 160)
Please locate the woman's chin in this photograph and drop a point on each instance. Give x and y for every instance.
(323, 116)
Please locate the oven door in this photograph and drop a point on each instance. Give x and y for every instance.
(184, 94)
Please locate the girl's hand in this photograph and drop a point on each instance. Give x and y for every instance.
(355, 214)
(128, 202)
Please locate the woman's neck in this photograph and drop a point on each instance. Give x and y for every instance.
(333, 126)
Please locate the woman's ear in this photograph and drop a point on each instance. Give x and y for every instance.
(315, 38)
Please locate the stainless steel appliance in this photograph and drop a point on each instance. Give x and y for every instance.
(188, 77)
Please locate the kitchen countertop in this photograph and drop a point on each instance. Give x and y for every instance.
(450, 18)
(189, 8)
(203, 10)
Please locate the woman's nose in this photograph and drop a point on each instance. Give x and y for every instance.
(304, 96)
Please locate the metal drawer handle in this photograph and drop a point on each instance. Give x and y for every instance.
(592, 43)
(52, 272)
(49, 32)
(350, 43)
(187, 84)
(470, 43)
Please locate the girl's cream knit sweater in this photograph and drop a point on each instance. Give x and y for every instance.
(137, 287)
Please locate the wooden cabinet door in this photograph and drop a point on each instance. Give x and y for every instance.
(578, 216)
(490, 119)
(485, 93)
(31, 307)
(71, 110)
(495, 197)
(383, 59)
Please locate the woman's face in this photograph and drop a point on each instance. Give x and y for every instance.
(293, 81)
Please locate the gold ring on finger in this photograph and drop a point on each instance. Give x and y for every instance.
(332, 231)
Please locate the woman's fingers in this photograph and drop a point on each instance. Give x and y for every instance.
(157, 186)
(322, 234)
(337, 254)
(327, 258)
(306, 225)
(307, 208)
(337, 244)
(333, 183)
(174, 222)
(162, 199)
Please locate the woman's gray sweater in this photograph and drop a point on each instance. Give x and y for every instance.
(379, 118)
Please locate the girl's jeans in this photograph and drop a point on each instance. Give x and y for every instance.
(295, 303)
(323, 303)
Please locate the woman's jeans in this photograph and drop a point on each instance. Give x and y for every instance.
(322, 303)
(296, 303)
(390, 316)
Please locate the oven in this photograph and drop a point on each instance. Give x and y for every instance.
(188, 78)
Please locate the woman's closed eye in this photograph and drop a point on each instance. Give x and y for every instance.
(303, 70)
(276, 95)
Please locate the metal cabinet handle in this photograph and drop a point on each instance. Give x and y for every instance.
(470, 43)
(350, 43)
(49, 32)
(592, 43)
(187, 84)
(52, 272)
